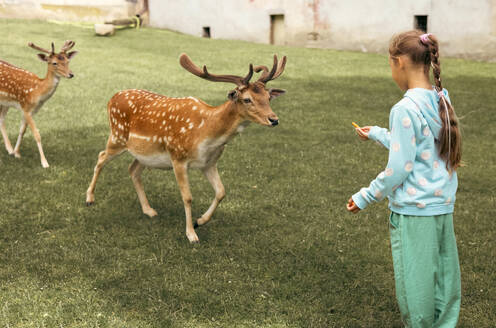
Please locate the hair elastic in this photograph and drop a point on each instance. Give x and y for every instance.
(424, 38)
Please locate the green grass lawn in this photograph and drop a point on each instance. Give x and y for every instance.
(281, 250)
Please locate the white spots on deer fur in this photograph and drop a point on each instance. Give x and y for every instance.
(183, 130)
(409, 166)
(130, 103)
(163, 122)
(137, 136)
(201, 123)
(389, 171)
(191, 125)
(187, 121)
(194, 108)
(154, 139)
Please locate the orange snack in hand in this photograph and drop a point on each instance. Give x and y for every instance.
(355, 125)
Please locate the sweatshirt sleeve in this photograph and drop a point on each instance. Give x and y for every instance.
(402, 152)
(380, 135)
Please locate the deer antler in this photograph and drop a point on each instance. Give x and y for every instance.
(68, 45)
(32, 45)
(274, 73)
(188, 65)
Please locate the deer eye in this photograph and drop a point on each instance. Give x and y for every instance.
(246, 100)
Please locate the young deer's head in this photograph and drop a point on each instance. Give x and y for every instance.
(58, 63)
(252, 100)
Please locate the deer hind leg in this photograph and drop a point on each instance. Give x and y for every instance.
(135, 170)
(213, 177)
(104, 157)
(22, 130)
(8, 145)
(181, 172)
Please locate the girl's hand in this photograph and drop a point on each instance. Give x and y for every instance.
(351, 206)
(363, 132)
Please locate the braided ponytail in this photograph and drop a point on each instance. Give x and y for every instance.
(449, 137)
(423, 49)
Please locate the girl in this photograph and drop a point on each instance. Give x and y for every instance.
(420, 181)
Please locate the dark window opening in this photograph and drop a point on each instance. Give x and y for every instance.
(420, 23)
(206, 32)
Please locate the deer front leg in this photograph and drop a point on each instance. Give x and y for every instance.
(104, 156)
(213, 177)
(8, 145)
(22, 130)
(135, 170)
(181, 172)
(37, 137)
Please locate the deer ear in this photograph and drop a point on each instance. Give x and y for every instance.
(233, 95)
(274, 93)
(71, 54)
(43, 57)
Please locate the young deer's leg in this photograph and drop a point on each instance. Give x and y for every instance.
(8, 145)
(104, 156)
(181, 172)
(135, 170)
(213, 177)
(22, 130)
(37, 137)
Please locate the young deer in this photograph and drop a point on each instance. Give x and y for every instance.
(178, 133)
(27, 92)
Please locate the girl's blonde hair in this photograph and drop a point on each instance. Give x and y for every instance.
(423, 49)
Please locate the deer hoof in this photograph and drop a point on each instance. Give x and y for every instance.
(89, 203)
(45, 165)
(193, 237)
(17, 155)
(150, 212)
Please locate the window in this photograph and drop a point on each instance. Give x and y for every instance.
(277, 33)
(420, 23)
(206, 32)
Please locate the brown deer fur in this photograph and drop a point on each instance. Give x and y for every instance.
(27, 92)
(178, 133)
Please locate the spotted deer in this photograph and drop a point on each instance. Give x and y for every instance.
(27, 92)
(181, 133)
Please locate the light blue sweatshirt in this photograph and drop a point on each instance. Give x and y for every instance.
(415, 180)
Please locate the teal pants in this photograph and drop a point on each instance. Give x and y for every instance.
(426, 270)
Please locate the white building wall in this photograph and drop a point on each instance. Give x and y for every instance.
(465, 28)
(68, 10)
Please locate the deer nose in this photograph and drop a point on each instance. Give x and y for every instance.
(71, 75)
(273, 121)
